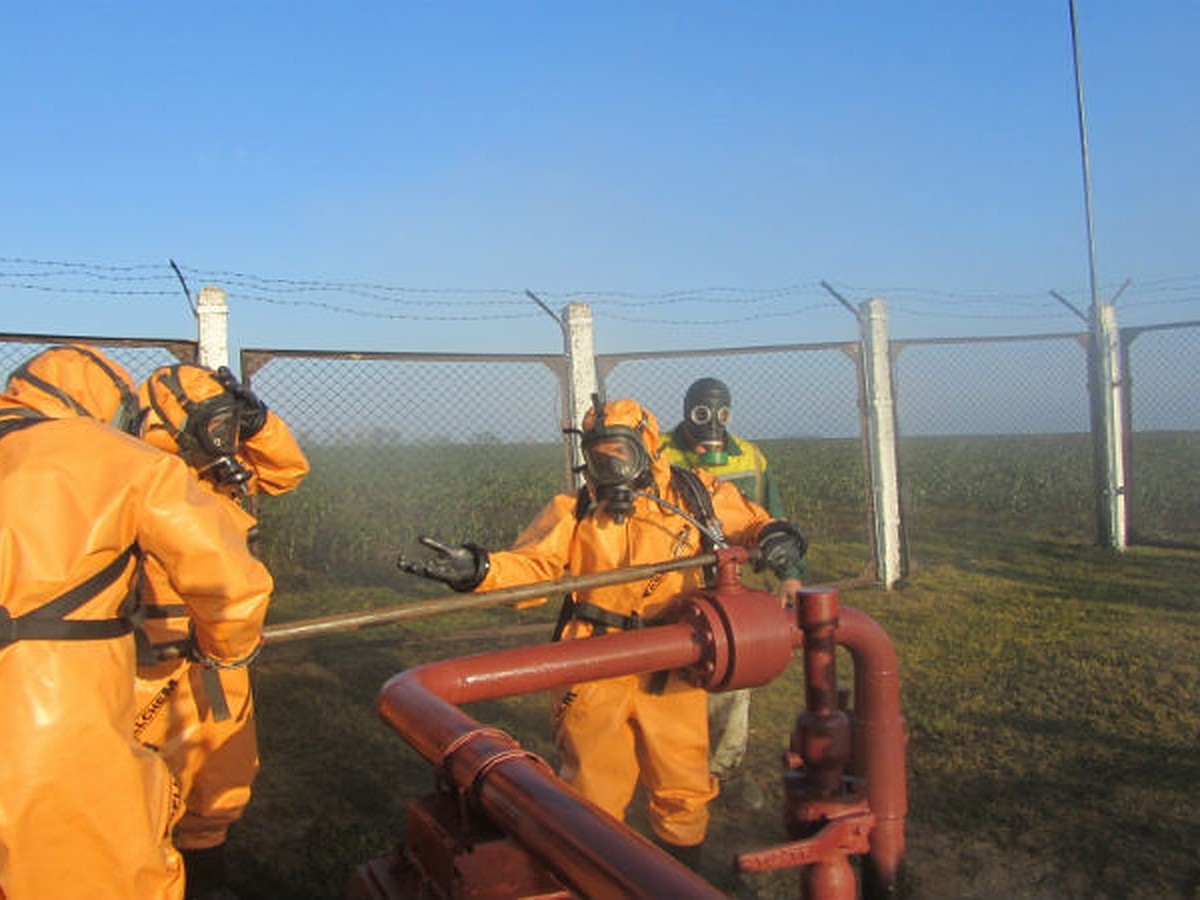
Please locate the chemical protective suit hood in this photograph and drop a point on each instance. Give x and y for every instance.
(73, 380)
(630, 414)
(166, 395)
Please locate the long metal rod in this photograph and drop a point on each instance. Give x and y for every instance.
(1083, 150)
(420, 609)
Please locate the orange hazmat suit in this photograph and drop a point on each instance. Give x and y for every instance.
(613, 731)
(209, 742)
(86, 810)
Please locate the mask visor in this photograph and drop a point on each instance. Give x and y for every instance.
(615, 458)
(215, 425)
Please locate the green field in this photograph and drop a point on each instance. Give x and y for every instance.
(1051, 689)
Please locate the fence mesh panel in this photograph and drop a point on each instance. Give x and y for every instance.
(402, 446)
(140, 357)
(1164, 448)
(993, 434)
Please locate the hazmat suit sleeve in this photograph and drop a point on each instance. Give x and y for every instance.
(740, 518)
(744, 521)
(201, 542)
(275, 458)
(540, 553)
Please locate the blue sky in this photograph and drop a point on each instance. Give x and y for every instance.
(694, 170)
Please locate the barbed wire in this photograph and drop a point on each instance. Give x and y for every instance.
(376, 314)
(663, 307)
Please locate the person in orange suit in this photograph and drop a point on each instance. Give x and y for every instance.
(199, 719)
(85, 809)
(614, 732)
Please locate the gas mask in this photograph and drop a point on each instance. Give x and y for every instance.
(705, 415)
(209, 435)
(215, 425)
(616, 464)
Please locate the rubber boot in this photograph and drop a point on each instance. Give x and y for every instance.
(205, 874)
(690, 855)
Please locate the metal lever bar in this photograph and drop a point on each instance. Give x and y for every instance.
(420, 609)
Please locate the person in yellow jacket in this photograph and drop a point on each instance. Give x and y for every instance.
(85, 809)
(613, 732)
(201, 720)
(702, 440)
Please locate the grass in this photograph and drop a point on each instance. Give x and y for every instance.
(1053, 709)
(1051, 692)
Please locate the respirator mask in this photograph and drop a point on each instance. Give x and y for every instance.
(706, 415)
(210, 433)
(616, 463)
(214, 425)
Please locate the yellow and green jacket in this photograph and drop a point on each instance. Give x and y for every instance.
(746, 468)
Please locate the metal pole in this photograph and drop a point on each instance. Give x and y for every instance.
(421, 609)
(1104, 373)
(1083, 151)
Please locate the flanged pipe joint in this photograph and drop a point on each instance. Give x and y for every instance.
(767, 632)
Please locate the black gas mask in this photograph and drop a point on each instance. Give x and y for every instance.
(616, 464)
(210, 434)
(216, 425)
(705, 415)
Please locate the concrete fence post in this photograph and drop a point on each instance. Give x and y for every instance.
(212, 325)
(1108, 399)
(880, 415)
(579, 347)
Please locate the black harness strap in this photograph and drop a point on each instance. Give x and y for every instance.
(48, 622)
(696, 500)
(566, 612)
(605, 619)
(69, 601)
(21, 418)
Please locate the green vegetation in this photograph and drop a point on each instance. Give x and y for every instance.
(362, 504)
(1051, 689)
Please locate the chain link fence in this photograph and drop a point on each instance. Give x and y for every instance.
(463, 447)
(139, 356)
(799, 403)
(470, 447)
(1164, 446)
(993, 434)
(467, 447)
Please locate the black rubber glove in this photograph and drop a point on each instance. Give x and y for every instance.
(462, 568)
(254, 411)
(781, 548)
